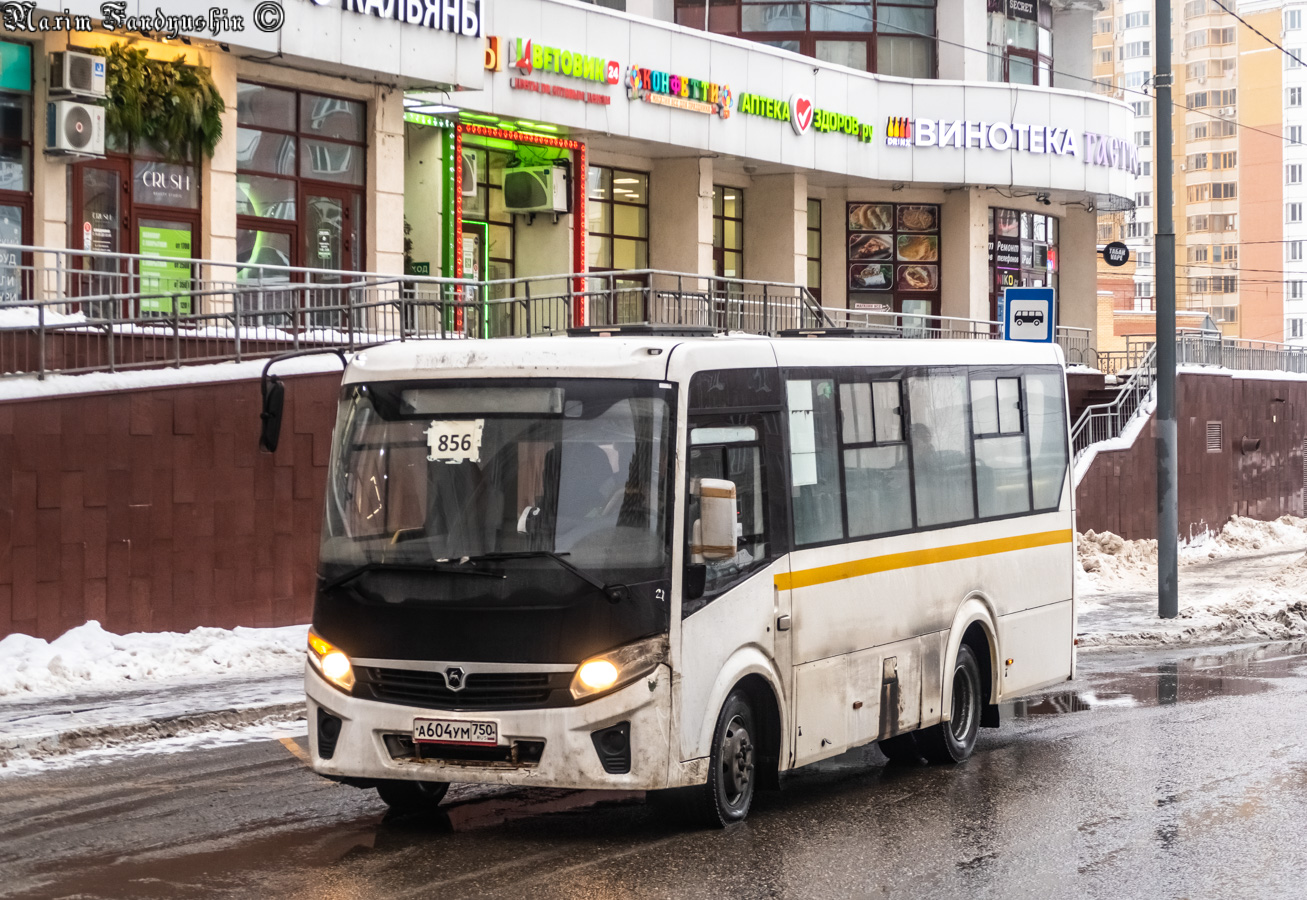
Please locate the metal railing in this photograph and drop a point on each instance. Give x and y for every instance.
(87, 311)
(1104, 421)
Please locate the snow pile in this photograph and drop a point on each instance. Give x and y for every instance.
(1244, 583)
(88, 658)
(29, 317)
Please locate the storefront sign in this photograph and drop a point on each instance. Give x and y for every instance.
(15, 66)
(1023, 9)
(802, 114)
(558, 90)
(164, 184)
(1116, 254)
(1100, 150)
(677, 91)
(1007, 253)
(419, 268)
(454, 16)
(158, 276)
(529, 57)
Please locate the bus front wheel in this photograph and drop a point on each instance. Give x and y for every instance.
(732, 770)
(953, 741)
(412, 796)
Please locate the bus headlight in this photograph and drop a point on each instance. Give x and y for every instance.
(331, 662)
(618, 668)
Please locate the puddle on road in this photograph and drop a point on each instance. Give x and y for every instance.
(1231, 673)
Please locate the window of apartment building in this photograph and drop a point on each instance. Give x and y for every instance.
(1134, 50)
(1295, 328)
(1225, 160)
(1196, 253)
(1104, 55)
(1293, 58)
(1197, 193)
(1225, 190)
(1294, 134)
(1146, 166)
(1213, 128)
(1021, 49)
(1293, 173)
(1142, 107)
(1103, 25)
(1143, 198)
(617, 219)
(1134, 80)
(891, 37)
(1196, 69)
(299, 178)
(814, 248)
(1138, 229)
(1136, 20)
(1293, 290)
(1225, 252)
(1106, 231)
(1195, 8)
(15, 167)
(1143, 289)
(728, 231)
(1214, 284)
(1196, 161)
(1205, 99)
(1293, 251)
(1103, 85)
(1292, 19)
(1208, 37)
(1144, 259)
(1293, 212)
(1143, 138)
(1293, 96)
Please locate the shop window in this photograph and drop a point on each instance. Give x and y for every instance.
(814, 248)
(300, 174)
(893, 260)
(617, 219)
(890, 37)
(15, 167)
(1025, 250)
(1021, 48)
(488, 236)
(728, 231)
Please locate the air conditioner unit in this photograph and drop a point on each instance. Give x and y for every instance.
(1202, 79)
(74, 129)
(76, 74)
(533, 189)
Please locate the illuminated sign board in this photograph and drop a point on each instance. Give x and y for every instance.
(802, 114)
(667, 89)
(454, 16)
(1100, 149)
(529, 57)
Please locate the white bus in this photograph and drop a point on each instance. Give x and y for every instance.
(651, 560)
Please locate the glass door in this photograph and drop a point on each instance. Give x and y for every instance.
(14, 285)
(100, 220)
(330, 236)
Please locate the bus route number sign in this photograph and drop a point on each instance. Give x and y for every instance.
(455, 441)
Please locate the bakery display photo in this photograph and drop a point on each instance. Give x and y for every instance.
(875, 277)
(918, 247)
(872, 246)
(918, 278)
(918, 218)
(871, 216)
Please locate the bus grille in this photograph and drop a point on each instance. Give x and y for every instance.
(482, 690)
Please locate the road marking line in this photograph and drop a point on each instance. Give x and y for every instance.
(295, 749)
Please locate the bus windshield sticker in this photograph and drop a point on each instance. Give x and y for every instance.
(455, 441)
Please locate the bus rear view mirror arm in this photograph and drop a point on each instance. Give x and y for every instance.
(273, 391)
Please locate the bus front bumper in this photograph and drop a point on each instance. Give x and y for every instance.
(554, 747)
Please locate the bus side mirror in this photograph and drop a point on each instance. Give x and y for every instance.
(717, 517)
(274, 398)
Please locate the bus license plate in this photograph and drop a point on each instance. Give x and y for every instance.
(452, 731)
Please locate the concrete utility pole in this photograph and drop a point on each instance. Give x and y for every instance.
(1168, 517)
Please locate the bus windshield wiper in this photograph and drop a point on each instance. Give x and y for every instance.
(614, 592)
(441, 565)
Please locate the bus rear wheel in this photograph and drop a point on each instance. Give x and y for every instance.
(953, 741)
(412, 796)
(732, 769)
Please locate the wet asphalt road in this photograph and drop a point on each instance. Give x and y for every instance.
(1155, 775)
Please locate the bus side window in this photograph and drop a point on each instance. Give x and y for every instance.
(877, 489)
(1045, 415)
(1002, 473)
(814, 460)
(941, 447)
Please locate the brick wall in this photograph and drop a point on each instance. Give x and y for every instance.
(155, 510)
(1119, 492)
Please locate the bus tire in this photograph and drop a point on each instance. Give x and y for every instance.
(412, 796)
(953, 741)
(901, 748)
(732, 772)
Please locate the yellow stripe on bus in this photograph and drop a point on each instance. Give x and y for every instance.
(911, 558)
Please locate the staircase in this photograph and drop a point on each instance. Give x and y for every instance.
(1107, 418)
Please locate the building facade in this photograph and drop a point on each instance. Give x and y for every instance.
(873, 154)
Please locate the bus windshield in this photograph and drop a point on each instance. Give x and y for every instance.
(452, 472)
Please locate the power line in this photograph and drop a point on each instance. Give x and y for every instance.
(1250, 27)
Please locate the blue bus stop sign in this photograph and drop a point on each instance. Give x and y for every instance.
(1026, 314)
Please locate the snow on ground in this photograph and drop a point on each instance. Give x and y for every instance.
(88, 658)
(1243, 583)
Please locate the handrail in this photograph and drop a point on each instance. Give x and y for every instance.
(1104, 421)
